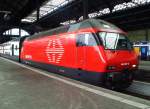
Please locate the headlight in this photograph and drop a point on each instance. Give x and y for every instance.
(134, 66)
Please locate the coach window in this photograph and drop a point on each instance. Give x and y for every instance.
(16, 47)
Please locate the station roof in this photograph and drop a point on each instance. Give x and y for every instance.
(54, 13)
(127, 14)
(12, 11)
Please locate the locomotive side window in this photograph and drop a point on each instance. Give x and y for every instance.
(86, 40)
(90, 40)
(80, 40)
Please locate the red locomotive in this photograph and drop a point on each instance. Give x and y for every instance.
(93, 51)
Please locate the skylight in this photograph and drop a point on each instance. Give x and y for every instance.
(47, 8)
(119, 7)
(52, 5)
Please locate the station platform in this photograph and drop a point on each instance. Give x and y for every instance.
(25, 87)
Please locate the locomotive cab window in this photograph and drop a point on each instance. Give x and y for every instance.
(85, 40)
(115, 41)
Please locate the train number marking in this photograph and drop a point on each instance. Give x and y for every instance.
(28, 56)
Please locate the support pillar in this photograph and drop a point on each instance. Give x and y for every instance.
(85, 9)
(11, 32)
(19, 30)
(38, 10)
(146, 35)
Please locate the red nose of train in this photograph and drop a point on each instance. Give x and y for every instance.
(120, 60)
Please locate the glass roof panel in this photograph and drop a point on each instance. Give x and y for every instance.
(52, 5)
(119, 7)
(47, 8)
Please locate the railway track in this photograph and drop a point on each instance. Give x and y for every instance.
(139, 89)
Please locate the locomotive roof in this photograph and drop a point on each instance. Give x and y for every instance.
(95, 23)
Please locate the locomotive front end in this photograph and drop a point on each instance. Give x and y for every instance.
(121, 59)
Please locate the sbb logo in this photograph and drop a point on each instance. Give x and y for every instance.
(54, 51)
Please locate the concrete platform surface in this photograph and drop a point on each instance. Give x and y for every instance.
(23, 87)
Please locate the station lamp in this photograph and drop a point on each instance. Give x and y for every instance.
(6, 15)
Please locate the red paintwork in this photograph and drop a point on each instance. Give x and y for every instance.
(89, 58)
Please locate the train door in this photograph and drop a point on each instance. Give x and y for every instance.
(12, 49)
(80, 43)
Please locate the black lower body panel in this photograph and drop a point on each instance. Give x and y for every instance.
(86, 76)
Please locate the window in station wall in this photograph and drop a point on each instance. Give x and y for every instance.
(15, 32)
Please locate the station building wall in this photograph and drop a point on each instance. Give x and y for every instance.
(138, 35)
